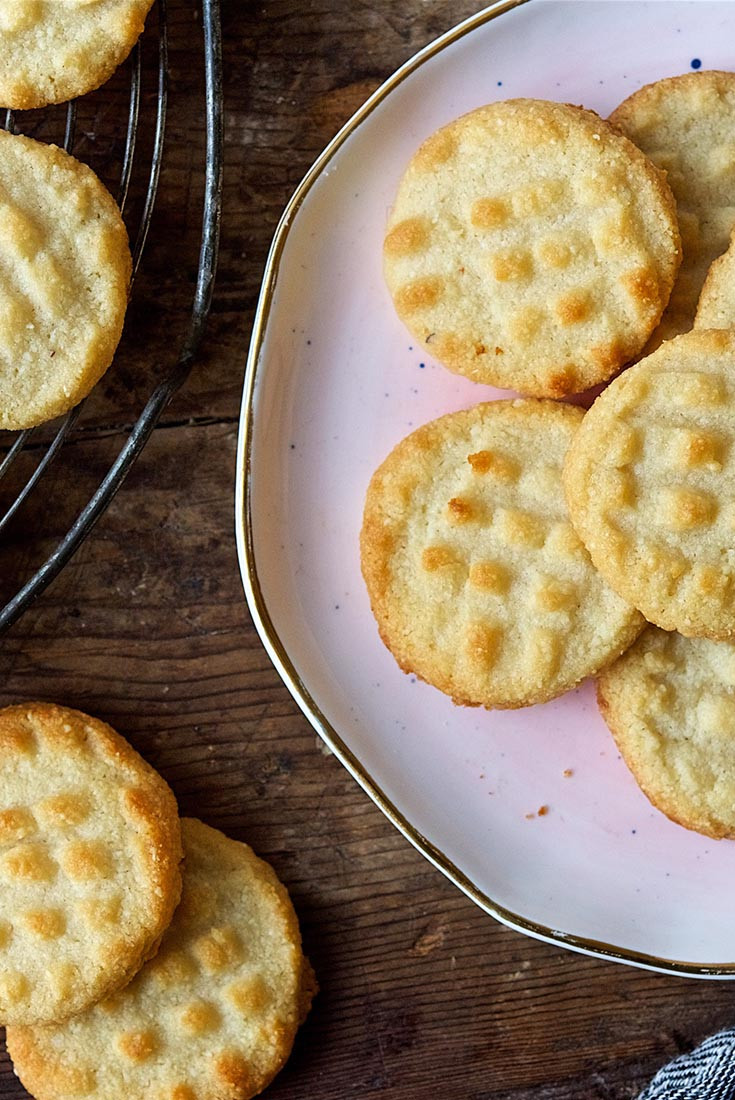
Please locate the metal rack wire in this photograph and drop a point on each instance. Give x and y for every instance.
(167, 385)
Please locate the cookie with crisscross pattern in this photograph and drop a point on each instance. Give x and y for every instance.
(670, 703)
(54, 50)
(64, 273)
(476, 577)
(532, 246)
(650, 483)
(686, 126)
(90, 847)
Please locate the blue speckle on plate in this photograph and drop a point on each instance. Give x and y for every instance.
(500, 83)
(696, 63)
(422, 366)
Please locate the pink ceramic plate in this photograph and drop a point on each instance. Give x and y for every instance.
(333, 383)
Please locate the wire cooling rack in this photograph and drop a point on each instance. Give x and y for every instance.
(167, 385)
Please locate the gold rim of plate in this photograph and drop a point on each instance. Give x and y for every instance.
(257, 604)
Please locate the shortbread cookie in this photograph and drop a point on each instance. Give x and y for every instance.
(53, 50)
(670, 703)
(90, 847)
(65, 266)
(532, 247)
(716, 308)
(477, 580)
(685, 124)
(213, 1017)
(650, 483)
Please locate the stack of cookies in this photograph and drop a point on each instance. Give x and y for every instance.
(123, 972)
(514, 548)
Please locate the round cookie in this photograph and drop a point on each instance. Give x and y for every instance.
(670, 703)
(650, 484)
(477, 580)
(685, 124)
(716, 307)
(532, 247)
(66, 266)
(90, 847)
(54, 50)
(212, 1017)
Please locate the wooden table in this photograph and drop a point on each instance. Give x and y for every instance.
(421, 992)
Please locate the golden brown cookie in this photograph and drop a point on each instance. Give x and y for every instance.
(685, 124)
(54, 50)
(212, 1017)
(716, 307)
(650, 483)
(90, 847)
(532, 247)
(477, 580)
(670, 703)
(65, 265)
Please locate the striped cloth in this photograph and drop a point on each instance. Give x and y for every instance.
(708, 1073)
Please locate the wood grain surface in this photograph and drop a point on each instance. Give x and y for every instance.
(421, 993)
